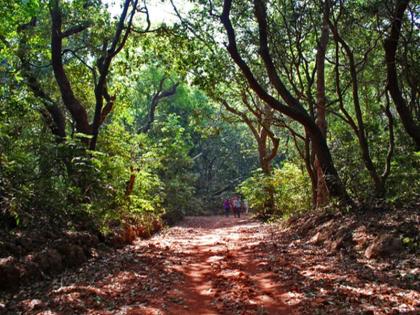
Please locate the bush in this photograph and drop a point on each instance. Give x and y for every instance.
(292, 189)
(292, 193)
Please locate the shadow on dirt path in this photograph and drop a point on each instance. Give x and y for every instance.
(217, 265)
(205, 265)
(224, 274)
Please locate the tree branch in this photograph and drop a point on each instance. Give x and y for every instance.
(156, 99)
(77, 111)
(75, 29)
(390, 47)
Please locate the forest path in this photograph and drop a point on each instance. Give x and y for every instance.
(223, 268)
(205, 265)
(217, 265)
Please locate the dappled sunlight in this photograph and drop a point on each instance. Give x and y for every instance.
(217, 265)
(209, 269)
(194, 157)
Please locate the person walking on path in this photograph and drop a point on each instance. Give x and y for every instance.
(236, 206)
(226, 207)
(245, 206)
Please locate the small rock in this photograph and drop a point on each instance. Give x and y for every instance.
(315, 239)
(49, 260)
(337, 244)
(318, 238)
(76, 256)
(34, 304)
(343, 239)
(9, 272)
(383, 245)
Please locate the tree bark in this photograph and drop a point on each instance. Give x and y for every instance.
(310, 169)
(322, 190)
(294, 109)
(131, 182)
(390, 46)
(73, 105)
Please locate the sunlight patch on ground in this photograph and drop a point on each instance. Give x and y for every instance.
(137, 309)
(292, 298)
(215, 258)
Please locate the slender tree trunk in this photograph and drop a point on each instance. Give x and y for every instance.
(378, 181)
(131, 182)
(390, 46)
(309, 165)
(265, 164)
(322, 190)
(293, 109)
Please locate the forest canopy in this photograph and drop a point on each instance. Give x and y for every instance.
(115, 113)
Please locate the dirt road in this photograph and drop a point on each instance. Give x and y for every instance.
(217, 265)
(205, 265)
(223, 272)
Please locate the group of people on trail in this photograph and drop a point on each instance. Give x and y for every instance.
(236, 205)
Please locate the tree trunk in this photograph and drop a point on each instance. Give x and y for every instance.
(310, 168)
(76, 110)
(390, 46)
(293, 109)
(130, 183)
(378, 181)
(265, 164)
(322, 191)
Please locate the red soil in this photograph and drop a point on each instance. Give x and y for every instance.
(217, 265)
(206, 265)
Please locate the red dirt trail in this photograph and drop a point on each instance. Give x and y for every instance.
(217, 265)
(205, 265)
(223, 274)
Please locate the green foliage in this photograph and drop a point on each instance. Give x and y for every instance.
(254, 189)
(291, 190)
(404, 181)
(193, 153)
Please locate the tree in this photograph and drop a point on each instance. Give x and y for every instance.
(358, 125)
(390, 46)
(158, 96)
(104, 102)
(321, 188)
(260, 124)
(293, 107)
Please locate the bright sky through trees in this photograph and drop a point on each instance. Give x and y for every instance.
(160, 11)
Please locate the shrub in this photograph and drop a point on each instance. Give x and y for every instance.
(292, 192)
